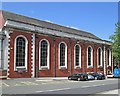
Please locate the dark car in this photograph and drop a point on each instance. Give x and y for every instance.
(78, 77)
(98, 76)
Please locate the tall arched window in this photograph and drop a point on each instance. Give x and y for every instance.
(20, 52)
(99, 57)
(63, 55)
(77, 56)
(90, 57)
(109, 57)
(44, 54)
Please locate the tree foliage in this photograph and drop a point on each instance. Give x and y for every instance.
(116, 43)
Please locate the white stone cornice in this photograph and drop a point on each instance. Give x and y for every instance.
(23, 26)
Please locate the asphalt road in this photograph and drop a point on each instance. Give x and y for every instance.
(59, 86)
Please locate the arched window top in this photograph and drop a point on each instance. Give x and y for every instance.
(108, 50)
(62, 44)
(99, 48)
(90, 48)
(44, 41)
(21, 37)
(77, 46)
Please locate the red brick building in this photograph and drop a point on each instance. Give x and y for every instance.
(35, 48)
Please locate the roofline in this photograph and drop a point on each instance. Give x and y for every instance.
(38, 29)
(88, 34)
(47, 22)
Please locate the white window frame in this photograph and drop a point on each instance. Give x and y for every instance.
(90, 66)
(48, 56)
(26, 53)
(101, 65)
(109, 57)
(63, 67)
(79, 66)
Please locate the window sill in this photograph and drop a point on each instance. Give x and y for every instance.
(44, 68)
(77, 67)
(100, 66)
(90, 67)
(63, 68)
(108, 65)
(20, 69)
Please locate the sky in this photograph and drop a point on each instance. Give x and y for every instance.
(98, 18)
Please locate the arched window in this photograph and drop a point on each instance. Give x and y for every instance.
(90, 57)
(109, 57)
(77, 56)
(99, 57)
(44, 54)
(63, 55)
(20, 52)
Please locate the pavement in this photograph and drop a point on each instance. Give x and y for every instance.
(115, 91)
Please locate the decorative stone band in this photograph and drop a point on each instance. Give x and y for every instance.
(36, 29)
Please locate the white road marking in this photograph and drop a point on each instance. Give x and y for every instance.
(44, 80)
(91, 81)
(53, 90)
(92, 86)
(97, 85)
(5, 84)
(29, 83)
(85, 86)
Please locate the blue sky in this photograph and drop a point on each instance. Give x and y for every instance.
(94, 17)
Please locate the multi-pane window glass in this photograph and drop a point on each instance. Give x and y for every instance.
(62, 54)
(20, 51)
(99, 56)
(89, 56)
(43, 53)
(77, 52)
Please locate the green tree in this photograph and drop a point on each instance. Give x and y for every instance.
(116, 44)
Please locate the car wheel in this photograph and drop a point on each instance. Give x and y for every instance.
(78, 79)
(95, 78)
(86, 79)
(103, 78)
(69, 78)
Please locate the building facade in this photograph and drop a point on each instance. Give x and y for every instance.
(35, 48)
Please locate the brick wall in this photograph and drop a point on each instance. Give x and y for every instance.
(53, 61)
